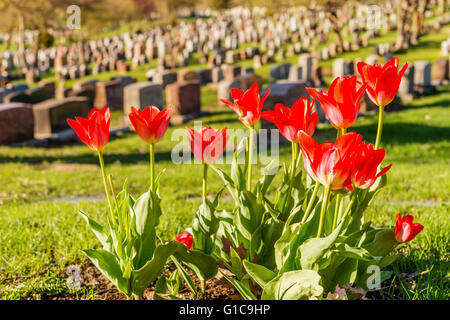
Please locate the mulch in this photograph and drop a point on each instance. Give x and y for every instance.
(216, 289)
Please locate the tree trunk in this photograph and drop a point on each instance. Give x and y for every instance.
(441, 6)
(332, 17)
(403, 35)
(22, 59)
(340, 42)
(80, 46)
(415, 23)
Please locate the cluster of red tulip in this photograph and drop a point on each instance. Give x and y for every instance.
(347, 167)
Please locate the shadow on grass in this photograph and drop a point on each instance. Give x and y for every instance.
(123, 158)
(395, 133)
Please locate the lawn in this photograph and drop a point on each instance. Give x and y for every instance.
(41, 191)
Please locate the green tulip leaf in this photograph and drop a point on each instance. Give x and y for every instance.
(203, 265)
(293, 285)
(97, 228)
(313, 249)
(143, 277)
(351, 252)
(109, 267)
(260, 274)
(241, 287)
(147, 210)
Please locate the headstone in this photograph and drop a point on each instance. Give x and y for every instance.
(285, 93)
(246, 81)
(51, 115)
(332, 49)
(275, 72)
(141, 95)
(122, 66)
(224, 87)
(61, 92)
(230, 57)
(165, 77)
(422, 76)
(280, 71)
(108, 94)
(204, 76)
(216, 74)
(4, 92)
(18, 96)
(406, 89)
(124, 80)
(90, 94)
(367, 104)
(257, 62)
(317, 76)
(186, 75)
(16, 122)
(305, 61)
(441, 69)
(85, 85)
(372, 59)
(48, 84)
(231, 72)
(342, 67)
(295, 73)
(184, 97)
(39, 94)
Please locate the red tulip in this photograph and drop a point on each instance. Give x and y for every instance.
(248, 105)
(93, 131)
(342, 101)
(330, 163)
(208, 144)
(383, 81)
(365, 164)
(405, 229)
(292, 121)
(150, 123)
(185, 238)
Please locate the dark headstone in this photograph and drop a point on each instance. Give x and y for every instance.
(285, 93)
(441, 69)
(109, 94)
(51, 115)
(16, 122)
(141, 95)
(184, 97)
(20, 97)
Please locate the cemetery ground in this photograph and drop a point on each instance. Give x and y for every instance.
(43, 189)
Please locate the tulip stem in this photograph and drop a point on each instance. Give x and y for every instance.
(250, 158)
(347, 211)
(294, 158)
(299, 157)
(336, 210)
(205, 180)
(341, 132)
(380, 127)
(152, 167)
(326, 193)
(311, 201)
(105, 183)
(120, 219)
(292, 172)
(203, 287)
